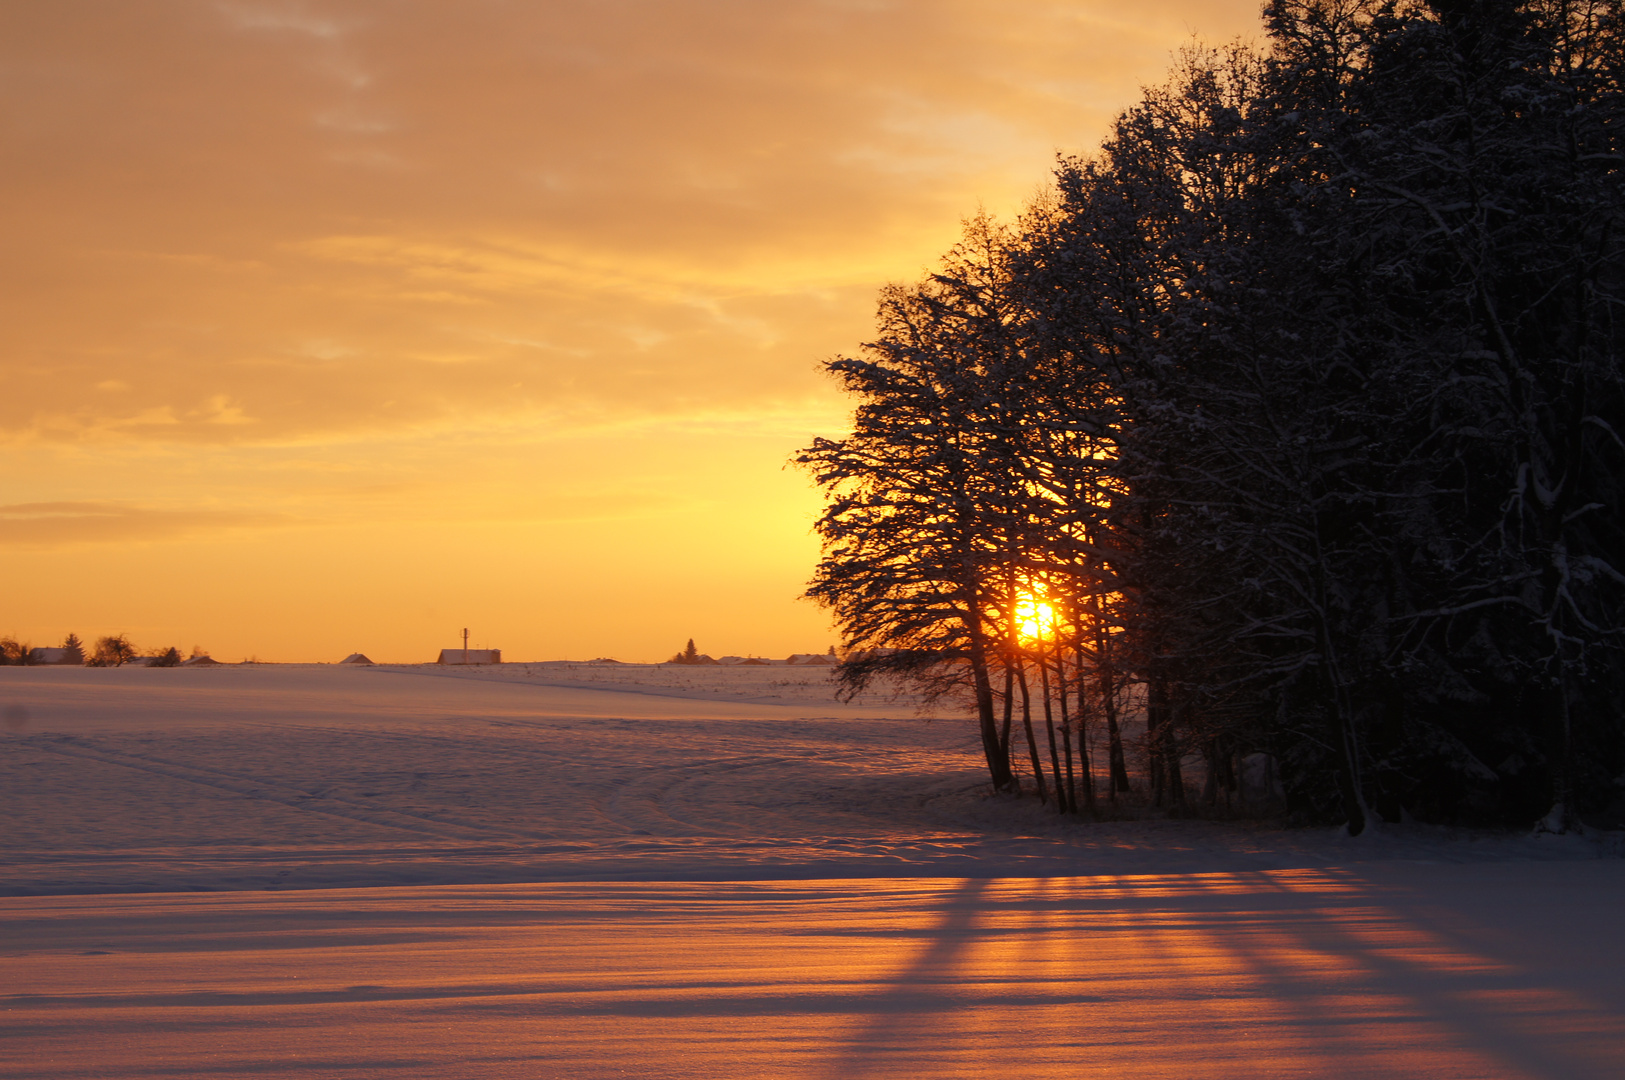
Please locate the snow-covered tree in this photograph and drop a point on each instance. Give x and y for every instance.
(1301, 406)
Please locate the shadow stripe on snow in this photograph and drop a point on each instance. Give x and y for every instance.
(671, 999)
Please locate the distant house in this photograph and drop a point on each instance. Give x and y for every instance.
(358, 658)
(470, 656)
(793, 658)
(201, 661)
(53, 656)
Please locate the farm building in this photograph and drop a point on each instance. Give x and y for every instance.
(470, 656)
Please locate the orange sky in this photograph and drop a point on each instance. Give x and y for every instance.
(333, 326)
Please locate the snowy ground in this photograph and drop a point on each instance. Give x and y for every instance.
(600, 870)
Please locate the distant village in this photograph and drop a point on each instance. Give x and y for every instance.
(118, 651)
(112, 651)
(689, 655)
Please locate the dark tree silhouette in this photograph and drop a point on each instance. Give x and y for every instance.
(1300, 408)
(691, 655)
(112, 651)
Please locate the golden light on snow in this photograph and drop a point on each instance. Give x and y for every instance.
(304, 870)
(1282, 973)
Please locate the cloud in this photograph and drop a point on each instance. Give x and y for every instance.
(712, 190)
(54, 524)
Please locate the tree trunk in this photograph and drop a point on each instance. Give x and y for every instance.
(1066, 737)
(1032, 743)
(1176, 773)
(1086, 774)
(1061, 802)
(1559, 752)
(1004, 733)
(998, 765)
(1349, 782)
(1156, 719)
(1108, 705)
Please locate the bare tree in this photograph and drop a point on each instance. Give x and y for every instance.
(112, 651)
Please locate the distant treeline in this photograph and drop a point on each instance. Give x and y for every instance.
(692, 656)
(112, 651)
(1297, 412)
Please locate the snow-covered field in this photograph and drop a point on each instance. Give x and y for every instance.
(599, 870)
(298, 776)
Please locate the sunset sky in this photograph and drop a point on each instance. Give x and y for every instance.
(341, 326)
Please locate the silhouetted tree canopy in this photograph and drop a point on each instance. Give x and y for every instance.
(1299, 408)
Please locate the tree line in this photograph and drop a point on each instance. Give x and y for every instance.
(113, 650)
(1289, 422)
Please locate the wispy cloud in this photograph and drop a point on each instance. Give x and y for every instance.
(201, 191)
(54, 524)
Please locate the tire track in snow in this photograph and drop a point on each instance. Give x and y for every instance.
(657, 798)
(506, 752)
(803, 803)
(705, 797)
(252, 787)
(637, 804)
(509, 753)
(653, 792)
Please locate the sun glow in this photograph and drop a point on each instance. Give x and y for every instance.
(1035, 619)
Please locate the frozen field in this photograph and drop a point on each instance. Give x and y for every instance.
(263, 776)
(592, 871)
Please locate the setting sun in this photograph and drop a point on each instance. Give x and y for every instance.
(1036, 619)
